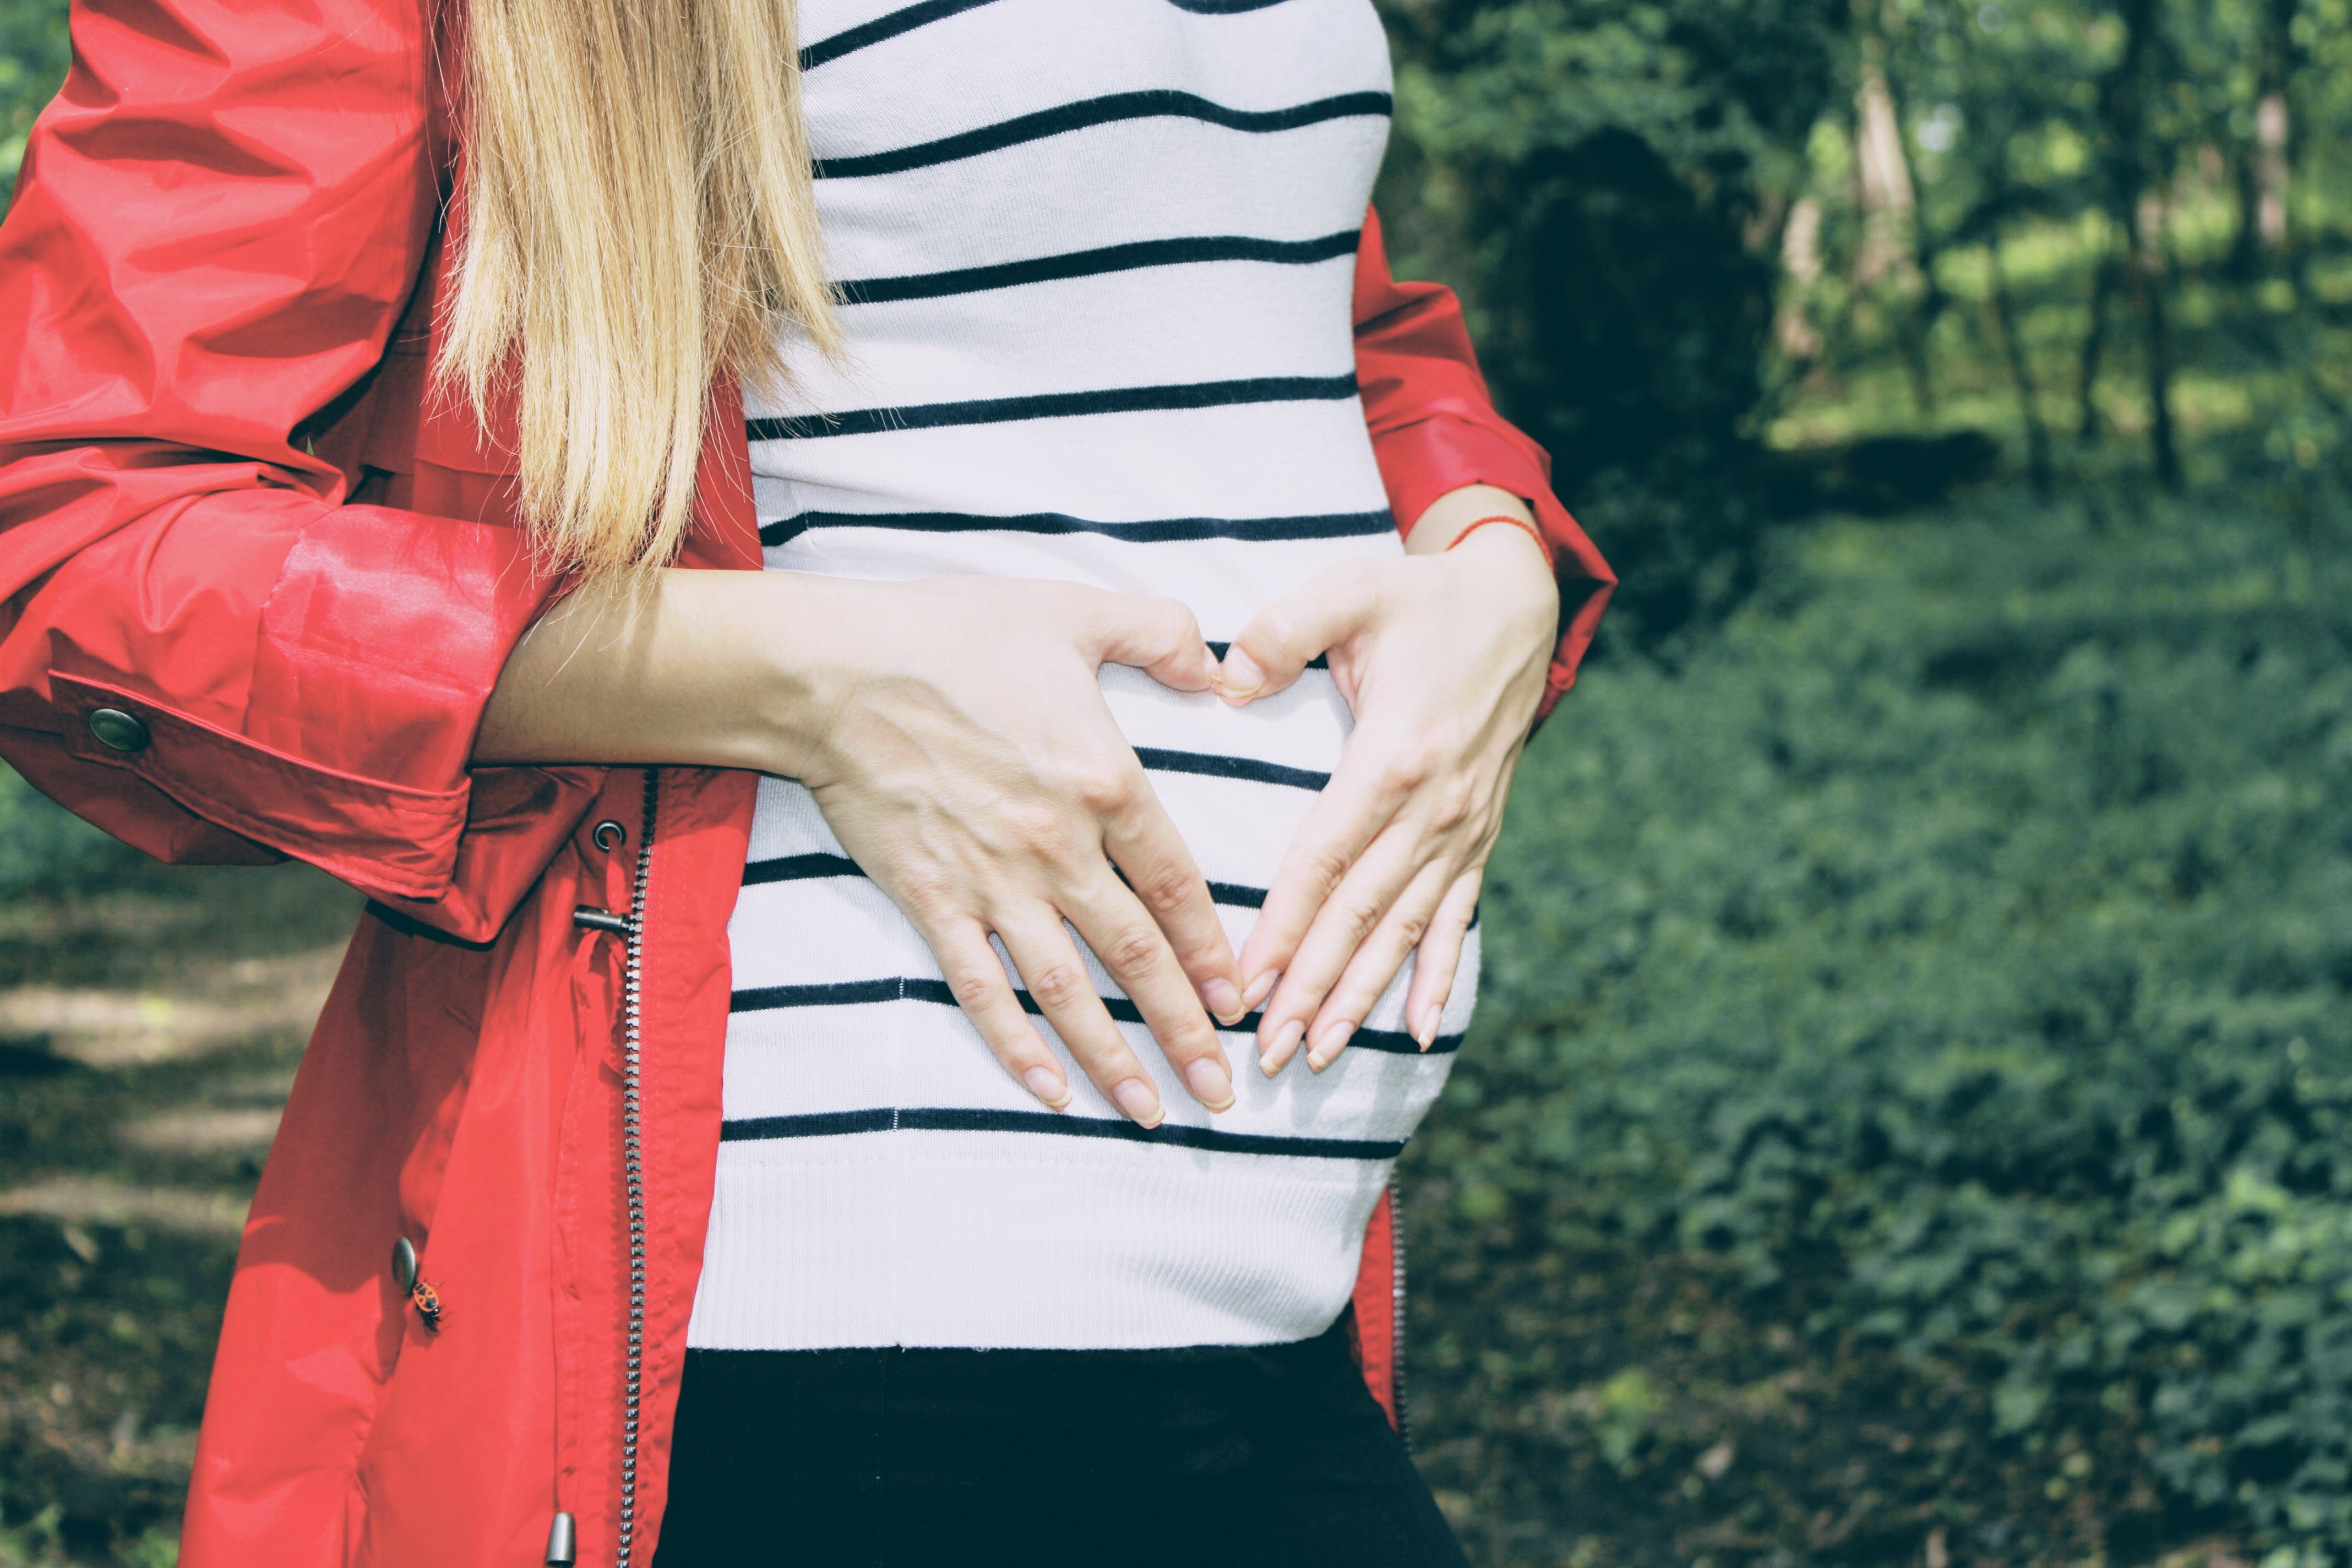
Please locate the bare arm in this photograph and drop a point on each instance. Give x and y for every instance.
(662, 668)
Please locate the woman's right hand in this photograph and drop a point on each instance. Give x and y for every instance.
(954, 734)
(965, 758)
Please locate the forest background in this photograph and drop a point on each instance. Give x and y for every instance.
(1905, 1121)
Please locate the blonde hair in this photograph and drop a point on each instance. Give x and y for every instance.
(638, 221)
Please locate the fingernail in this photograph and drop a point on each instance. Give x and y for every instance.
(1048, 1086)
(1139, 1101)
(1260, 989)
(1326, 1049)
(1427, 1033)
(1239, 676)
(1285, 1040)
(1213, 1085)
(1225, 1004)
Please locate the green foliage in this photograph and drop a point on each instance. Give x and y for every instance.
(1950, 963)
(1662, 215)
(1587, 173)
(34, 52)
(49, 851)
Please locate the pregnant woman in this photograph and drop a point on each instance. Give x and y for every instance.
(893, 1058)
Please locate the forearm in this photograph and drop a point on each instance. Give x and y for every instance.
(696, 668)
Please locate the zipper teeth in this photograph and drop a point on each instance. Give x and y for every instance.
(633, 1171)
(1396, 1312)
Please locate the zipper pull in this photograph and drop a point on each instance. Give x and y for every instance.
(588, 917)
(562, 1542)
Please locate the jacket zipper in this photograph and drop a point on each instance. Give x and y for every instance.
(1396, 1312)
(633, 1168)
(563, 1535)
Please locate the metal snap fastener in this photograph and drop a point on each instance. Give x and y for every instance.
(609, 834)
(118, 731)
(404, 1265)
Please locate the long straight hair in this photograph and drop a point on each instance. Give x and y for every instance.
(638, 221)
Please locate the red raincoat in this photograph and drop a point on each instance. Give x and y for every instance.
(229, 512)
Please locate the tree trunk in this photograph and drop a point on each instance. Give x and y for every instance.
(2148, 269)
(2135, 205)
(2012, 348)
(1887, 198)
(2270, 159)
(2245, 238)
(1800, 269)
(2275, 67)
(1927, 308)
(2259, 168)
(2094, 342)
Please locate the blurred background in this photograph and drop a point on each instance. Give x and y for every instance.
(1906, 1123)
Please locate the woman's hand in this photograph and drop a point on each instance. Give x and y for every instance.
(954, 734)
(965, 758)
(1443, 659)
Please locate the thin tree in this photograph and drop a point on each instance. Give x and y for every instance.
(2263, 168)
(2020, 371)
(2136, 212)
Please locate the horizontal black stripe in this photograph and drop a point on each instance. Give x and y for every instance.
(1234, 896)
(951, 1119)
(861, 992)
(1211, 766)
(1151, 531)
(1055, 405)
(800, 868)
(839, 994)
(1320, 661)
(1154, 103)
(1109, 258)
(850, 40)
(810, 868)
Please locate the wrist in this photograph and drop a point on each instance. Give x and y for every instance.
(1459, 514)
(771, 650)
(1512, 572)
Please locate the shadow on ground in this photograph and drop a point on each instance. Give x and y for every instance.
(147, 1042)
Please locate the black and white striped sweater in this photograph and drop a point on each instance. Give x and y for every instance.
(1099, 258)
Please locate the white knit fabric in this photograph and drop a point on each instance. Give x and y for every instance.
(1100, 260)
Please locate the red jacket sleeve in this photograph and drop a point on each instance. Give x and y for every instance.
(218, 224)
(1434, 430)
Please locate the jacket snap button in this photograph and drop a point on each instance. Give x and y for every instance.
(118, 731)
(404, 1265)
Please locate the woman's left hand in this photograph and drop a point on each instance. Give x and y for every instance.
(1442, 655)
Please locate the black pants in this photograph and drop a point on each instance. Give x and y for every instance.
(922, 1459)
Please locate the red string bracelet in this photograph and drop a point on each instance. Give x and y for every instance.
(1520, 524)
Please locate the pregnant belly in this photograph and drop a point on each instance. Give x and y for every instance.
(883, 1180)
(811, 930)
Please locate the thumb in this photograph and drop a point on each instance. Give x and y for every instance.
(1159, 636)
(1289, 633)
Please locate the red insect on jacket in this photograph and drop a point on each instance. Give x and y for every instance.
(255, 589)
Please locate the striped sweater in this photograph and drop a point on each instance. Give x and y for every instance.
(1098, 259)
